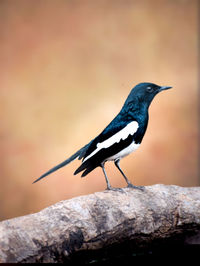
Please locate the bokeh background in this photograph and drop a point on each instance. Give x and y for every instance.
(66, 68)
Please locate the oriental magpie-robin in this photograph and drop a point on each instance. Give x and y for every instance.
(121, 137)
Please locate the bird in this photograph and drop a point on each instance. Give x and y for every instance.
(122, 136)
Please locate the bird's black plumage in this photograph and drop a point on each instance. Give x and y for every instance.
(122, 136)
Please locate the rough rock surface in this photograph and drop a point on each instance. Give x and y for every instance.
(83, 226)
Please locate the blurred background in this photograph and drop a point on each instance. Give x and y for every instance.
(66, 68)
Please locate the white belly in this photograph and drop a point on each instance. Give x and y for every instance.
(132, 147)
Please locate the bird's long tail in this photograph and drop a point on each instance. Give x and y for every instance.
(79, 154)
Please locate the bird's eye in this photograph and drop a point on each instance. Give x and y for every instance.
(149, 89)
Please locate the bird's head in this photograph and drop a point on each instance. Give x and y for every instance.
(143, 93)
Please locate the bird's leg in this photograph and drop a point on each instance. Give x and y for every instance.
(127, 181)
(118, 167)
(107, 181)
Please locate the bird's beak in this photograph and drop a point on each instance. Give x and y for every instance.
(164, 88)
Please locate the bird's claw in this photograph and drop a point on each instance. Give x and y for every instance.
(114, 189)
(135, 187)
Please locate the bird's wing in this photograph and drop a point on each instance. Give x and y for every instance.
(116, 136)
(109, 132)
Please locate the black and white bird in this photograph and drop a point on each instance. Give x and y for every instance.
(122, 136)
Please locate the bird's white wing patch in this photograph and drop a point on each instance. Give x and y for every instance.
(130, 129)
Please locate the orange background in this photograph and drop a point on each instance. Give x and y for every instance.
(66, 68)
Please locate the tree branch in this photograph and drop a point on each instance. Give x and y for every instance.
(86, 227)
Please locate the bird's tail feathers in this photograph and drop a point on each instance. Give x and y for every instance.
(87, 166)
(79, 154)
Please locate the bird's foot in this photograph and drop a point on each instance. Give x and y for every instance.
(142, 188)
(114, 189)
